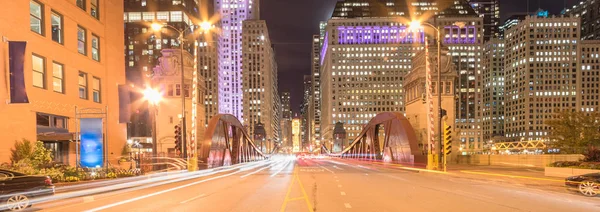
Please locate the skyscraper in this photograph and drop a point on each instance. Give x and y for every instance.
(261, 103)
(306, 112)
(316, 83)
(232, 14)
(492, 73)
(590, 76)
(286, 120)
(587, 10)
(490, 11)
(143, 45)
(542, 74)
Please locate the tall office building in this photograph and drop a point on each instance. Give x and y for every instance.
(542, 74)
(232, 14)
(208, 64)
(590, 76)
(261, 103)
(587, 10)
(307, 113)
(70, 58)
(363, 62)
(143, 45)
(286, 120)
(490, 11)
(316, 89)
(492, 72)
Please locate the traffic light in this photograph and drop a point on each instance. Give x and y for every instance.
(177, 139)
(447, 139)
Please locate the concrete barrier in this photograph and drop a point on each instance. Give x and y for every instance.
(540, 161)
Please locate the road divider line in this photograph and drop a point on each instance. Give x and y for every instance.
(193, 198)
(282, 168)
(310, 207)
(347, 205)
(343, 193)
(169, 190)
(254, 172)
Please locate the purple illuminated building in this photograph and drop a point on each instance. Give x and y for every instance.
(232, 14)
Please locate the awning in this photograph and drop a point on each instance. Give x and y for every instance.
(59, 137)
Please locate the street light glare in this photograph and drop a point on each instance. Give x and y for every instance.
(205, 26)
(156, 26)
(153, 96)
(414, 25)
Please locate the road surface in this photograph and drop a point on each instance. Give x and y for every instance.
(285, 184)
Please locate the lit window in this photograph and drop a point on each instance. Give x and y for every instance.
(57, 77)
(83, 85)
(36, 17)
(96, 89)
(57, 28)
(81, 41)
(39, 71)
(95, 47)
(94, 9)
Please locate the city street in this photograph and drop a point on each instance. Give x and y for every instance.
(324, 184)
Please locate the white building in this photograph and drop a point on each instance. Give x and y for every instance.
(493, 89)
(261, 102)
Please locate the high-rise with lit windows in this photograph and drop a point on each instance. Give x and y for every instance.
(490, 11)
(542, 74)
(143, 45)
(590, 75)
(362, 64)
(261, 102)
(587, 10)
(307, 113)
(232, 13)
(316, 83)
(492, 74)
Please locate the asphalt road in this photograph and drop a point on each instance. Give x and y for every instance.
(285, 184)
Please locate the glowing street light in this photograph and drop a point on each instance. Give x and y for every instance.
(156, 26)
(153, 96)
(205, 26)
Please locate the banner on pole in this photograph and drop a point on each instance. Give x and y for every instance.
(92, 149)
(16, 52)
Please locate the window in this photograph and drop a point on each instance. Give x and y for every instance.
(57, 27)
(95, 47)
(177, 89)
(94, 9)
(81, 4)
(96, 89)
(57, 77)
(38, 66)
(42, 120)
(81, 41)
(36, 17)
(60, 122)
(83, 85)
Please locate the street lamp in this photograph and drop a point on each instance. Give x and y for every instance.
(157, 27)
(153, 97)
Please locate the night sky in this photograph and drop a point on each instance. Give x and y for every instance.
(293, 22)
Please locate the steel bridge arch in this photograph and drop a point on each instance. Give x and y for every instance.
(396, 143)
(226, 142)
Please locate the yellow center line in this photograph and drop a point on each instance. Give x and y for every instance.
(304, 196)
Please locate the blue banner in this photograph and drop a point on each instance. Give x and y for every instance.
(16, 55)
(92, 154)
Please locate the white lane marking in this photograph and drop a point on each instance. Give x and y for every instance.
(254, 172)
(169, 190)
(343, 193)
(339, 186)
(327, 169)
(193, 198)
(347, 205)
(338, 168)
(366, 174)
(88, 199)
(283, 167)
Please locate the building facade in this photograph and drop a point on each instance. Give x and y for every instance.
(307, 114)
(68, 67)
(286, 121)
(493, 90)
(363, 62)
(232, 15)
(542, 74)
(261, 103)
(490, 11)
(143, 47)
(587, 10)
(316, 86)
(208, 66)
(590, 75)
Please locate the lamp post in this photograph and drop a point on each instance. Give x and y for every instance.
(204, 26)
(153, 97)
